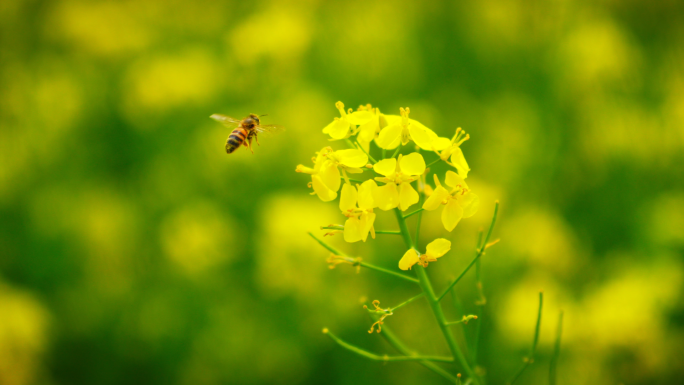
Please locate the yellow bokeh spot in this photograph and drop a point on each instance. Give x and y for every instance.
(199, 237)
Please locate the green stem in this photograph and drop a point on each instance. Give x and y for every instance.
(413, 213)
(396, 152)
(392, 309)
(556, 351)
(393, 340)
(481, 302)
(353, 180)
(391, 232)
(356, 261)
(465, 319)
(433, 162)
(442, 322)
(385, 358)
(420, 217)
(478, 253)
(360, 147)
(404, 229)
(384, 153)
(424, 283)
(530, 360)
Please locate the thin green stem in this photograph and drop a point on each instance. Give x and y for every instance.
(420, 217)
(353, 180)
(478, 253)
(359, 262)
(433, 162)
(538, 327)
(442, 322)
(556, 351)
(425, 284)
(404, 229)
(481, 302)
(391, 232)
(384, 153)
(396, 152)
(527, 361)
(392, 309)
(393, 340)
(463, 320)
(360, 147)
(385, 358)
(413, 213)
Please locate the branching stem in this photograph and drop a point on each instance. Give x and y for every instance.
(530, 360)
(385, 358)
(358, 262)
(478, 253)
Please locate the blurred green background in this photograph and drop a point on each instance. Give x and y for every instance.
(134, 250)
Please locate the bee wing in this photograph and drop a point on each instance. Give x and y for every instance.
(226, 120)
(269, 129)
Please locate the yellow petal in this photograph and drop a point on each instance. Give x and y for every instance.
(360, 117)
(386, 197)
(459, 161)
(407, 196)
(330, 175)
(451, 214)
(367, 133)
(351, 158)
(386, 167)
(422, 135)
(470, 203)
(348, 198)
(440, 144)
(338, 129)
(354, 170)
(366, 223)
(436, 198)
(412, 164)
(322, 190)
(366, 190)
(409, 259)
(453, 180)
(352, 230)
(364, 142)
(438, 247)
(389, 137)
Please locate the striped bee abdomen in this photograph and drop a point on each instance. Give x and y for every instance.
(236, 138)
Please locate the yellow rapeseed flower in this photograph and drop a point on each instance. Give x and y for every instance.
(454, 151)
(401, 129)
(459, 202)
(346, 125)
(325, 176)
(398, 175)
(357, 206)
(435, 249)
(369, 131)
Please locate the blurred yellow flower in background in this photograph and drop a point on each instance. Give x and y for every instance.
(459, 202)
(398, 174)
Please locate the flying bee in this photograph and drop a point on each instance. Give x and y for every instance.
(245, 130)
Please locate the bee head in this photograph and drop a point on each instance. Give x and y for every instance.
(254, 118)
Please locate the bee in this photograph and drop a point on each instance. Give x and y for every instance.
(245, 130)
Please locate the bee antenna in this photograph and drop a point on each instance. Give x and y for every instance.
(263, 115)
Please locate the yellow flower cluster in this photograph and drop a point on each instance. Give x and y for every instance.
(392, 186)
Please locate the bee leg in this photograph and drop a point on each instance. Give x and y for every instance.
(257, 139)
(248, 143)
